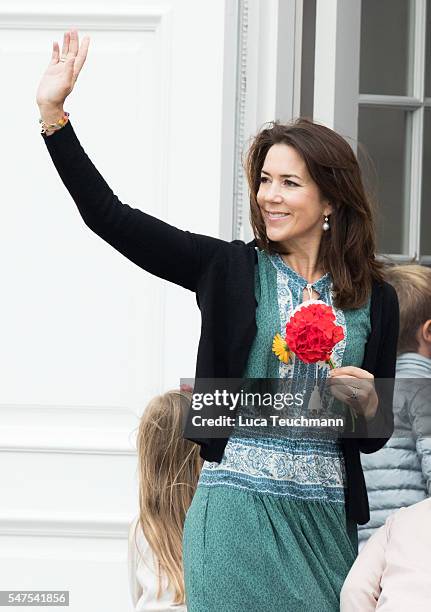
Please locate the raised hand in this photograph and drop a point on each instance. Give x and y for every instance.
(60, 76)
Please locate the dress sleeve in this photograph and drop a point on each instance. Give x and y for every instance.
(380, 428)
(361, 589)
(159, 248)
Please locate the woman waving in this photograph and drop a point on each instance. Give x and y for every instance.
(272, 524)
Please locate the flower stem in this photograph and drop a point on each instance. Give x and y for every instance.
(353, 415)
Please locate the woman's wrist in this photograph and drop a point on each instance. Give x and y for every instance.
(51, 113)
(52, 119)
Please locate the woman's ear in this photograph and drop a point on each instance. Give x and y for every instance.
(327, 210)
(326, 206)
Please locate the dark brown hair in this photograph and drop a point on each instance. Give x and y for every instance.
(412, 283)
(347, 250)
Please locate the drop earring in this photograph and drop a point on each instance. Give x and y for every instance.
(326, 224)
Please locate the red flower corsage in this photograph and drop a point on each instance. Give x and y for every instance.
(311, 333)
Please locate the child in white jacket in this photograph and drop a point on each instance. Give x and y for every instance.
(393, 571)
(169, 468)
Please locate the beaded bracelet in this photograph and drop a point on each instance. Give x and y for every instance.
(49, 127)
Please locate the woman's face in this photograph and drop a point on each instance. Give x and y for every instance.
(288, 198)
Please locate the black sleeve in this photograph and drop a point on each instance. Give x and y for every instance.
(159, 248)
(380, 428)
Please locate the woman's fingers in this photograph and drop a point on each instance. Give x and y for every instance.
(344, 394)
(346, 378)
(355, 392)
(81, 56)
(346, 383)
(55, 53)
(74, 43)
(350, 371)
(66, 42)
(341, 393)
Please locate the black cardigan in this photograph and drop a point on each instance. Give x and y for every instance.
(222, 276)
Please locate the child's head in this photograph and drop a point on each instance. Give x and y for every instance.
(413, 286)
(169, 468)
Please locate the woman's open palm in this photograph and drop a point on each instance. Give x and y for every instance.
(60, 76)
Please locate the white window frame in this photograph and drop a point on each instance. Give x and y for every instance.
(337, 99)
(267, 61)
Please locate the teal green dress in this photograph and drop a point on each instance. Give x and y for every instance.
(267, 527)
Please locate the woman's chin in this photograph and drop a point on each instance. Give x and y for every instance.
(277, 236)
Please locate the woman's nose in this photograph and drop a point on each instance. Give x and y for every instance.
(273, 195)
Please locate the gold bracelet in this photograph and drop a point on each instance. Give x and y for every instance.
(49, 127)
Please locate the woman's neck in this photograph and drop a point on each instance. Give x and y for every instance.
(304, 265)
(302, 256)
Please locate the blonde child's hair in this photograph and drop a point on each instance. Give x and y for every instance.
(169, 468)
(412, 283)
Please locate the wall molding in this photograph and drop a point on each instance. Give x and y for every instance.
(68, 429)
(240, 112)
(62, 525)
(94, 17)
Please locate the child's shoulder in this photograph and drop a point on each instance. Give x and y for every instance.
(419, 510)
(410, 522)
(137, 540)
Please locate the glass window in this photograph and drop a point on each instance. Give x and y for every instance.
(307, 60)
(386, 47)
(426, 187)
(384, 133)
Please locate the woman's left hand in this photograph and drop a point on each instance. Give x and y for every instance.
(354, 387)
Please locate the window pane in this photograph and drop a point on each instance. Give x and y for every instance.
(426, 188)
(383, 133)
(307, 60)
(428, 52)
(386, 47)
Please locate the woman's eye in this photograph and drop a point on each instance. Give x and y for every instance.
(264, 179)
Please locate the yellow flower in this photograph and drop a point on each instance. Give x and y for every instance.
(280, 348)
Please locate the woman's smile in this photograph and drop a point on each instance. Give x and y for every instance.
(275, 216)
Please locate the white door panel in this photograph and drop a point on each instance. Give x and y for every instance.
(86, 336)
